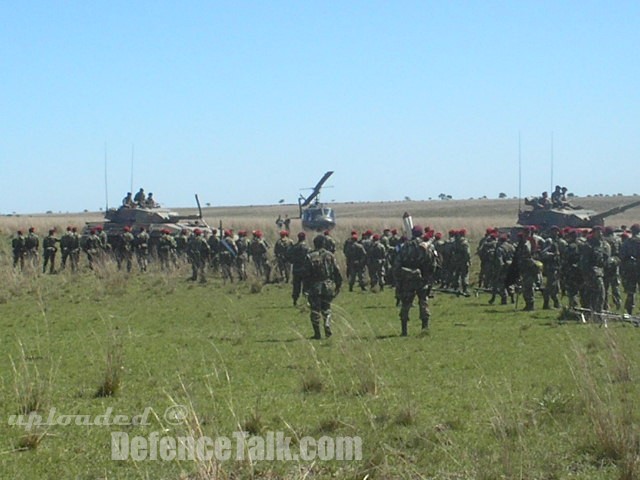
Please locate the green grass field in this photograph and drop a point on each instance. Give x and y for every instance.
(490, 393)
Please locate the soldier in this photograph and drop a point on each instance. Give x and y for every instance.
(49, 250)
(594, 255)
(528, 267)
(460, 262)
(142, 249)
(550, 256)
(630, 266)
(345, 247)
(413, 270)
(556, 197)
(287, 223)
(281, 252)
(375, 262)
(214, 250)
(92, 247)
(329, 242)
(198, 251)
(128, 201)
(31, 245)
(258, 250)
(612, 269)
(570, 268)
(19, 250)
(356, 257)
(182, 241)
(485, 251)
(242, 258)
(322, 281)
(140, 198)
(297, 255)
(227, 254)
(124, 252)
(166, 250)
(502, 259)
(65, 247)
(150, 201)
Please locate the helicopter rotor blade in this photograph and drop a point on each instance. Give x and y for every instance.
(316, 189)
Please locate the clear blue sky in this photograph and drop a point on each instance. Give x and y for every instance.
(247, 102)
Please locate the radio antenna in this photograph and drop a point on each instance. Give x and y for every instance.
(551, 186)
(519, 173)
(132, 151)
(106, 189)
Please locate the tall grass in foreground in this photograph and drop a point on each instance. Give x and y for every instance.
(609, 404)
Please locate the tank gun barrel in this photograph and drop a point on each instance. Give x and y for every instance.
(615, 210)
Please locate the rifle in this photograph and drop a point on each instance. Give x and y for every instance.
(603, 317)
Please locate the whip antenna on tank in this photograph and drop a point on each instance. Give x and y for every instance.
(132, 151)
(106, 190)
(551, 183)
(519, 173)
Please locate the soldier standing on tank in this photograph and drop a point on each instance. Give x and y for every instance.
(281, 252)
(413, 272)
(612, 269)
(19, 250)
(630, 266)
(140, 198)
(594, 255)
(322, 281)
(49, 250)
(297, 255)
(142, 249)
(198, 251)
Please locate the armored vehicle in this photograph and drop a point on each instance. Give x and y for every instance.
(567, 216)
(154, 220)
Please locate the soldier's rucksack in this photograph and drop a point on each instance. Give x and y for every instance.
(320, 267)
(410, 254)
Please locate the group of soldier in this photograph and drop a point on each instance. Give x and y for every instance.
(585, 266)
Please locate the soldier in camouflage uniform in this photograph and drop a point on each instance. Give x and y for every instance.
(124, 250)
(198, 251)
(353, 237)
(182, 241)
(92, 247)
(356, 257)
(166, 250)
(142, 249)
(630, 266)
(612, 269)
(413, 270)
(594, 255)
(376, 257)
(329, 242)
(528, 266)
(322, 281)
(461, 261)
(571, 272)
(485, 251)
(281, 251)
(227, 253)
(66, 247)
(448, 260)
(19, 250)
(502, 259)
(49, 249)
(242, 258)
(297, 255)
(258, 251)
(214, 249)
(31, 245)
(551, 257)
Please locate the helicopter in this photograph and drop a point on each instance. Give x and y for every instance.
(316, 216)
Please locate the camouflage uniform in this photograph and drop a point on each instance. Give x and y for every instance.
(461, 260)
(329, 242)
(570, 269)
(630, 267)
(297, 255)
(258, 251)
(124, 252)
(227, 254)
(528, 268)
(49, 252)
(485, 251)
(322, 281)
(182, 241)
(214, 248)
(413, 272)
(92, 248)
(67, 244)
(19, 250)
(142, 249)
(550, 256)
(31, 245)
(242, 258)
(612, 269)
(167, 250)
(502, 259)
(356, 257)
(280, 250)
(594, 255)
(198, 251)
(376, 257)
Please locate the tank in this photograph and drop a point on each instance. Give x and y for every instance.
(154, 220)
(567, 216)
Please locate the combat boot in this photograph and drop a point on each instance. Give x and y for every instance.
(528, 307)
(316, 332)
(327, 331)
(404, 328)
(545, 305)
(492, 299)
(425, 324)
